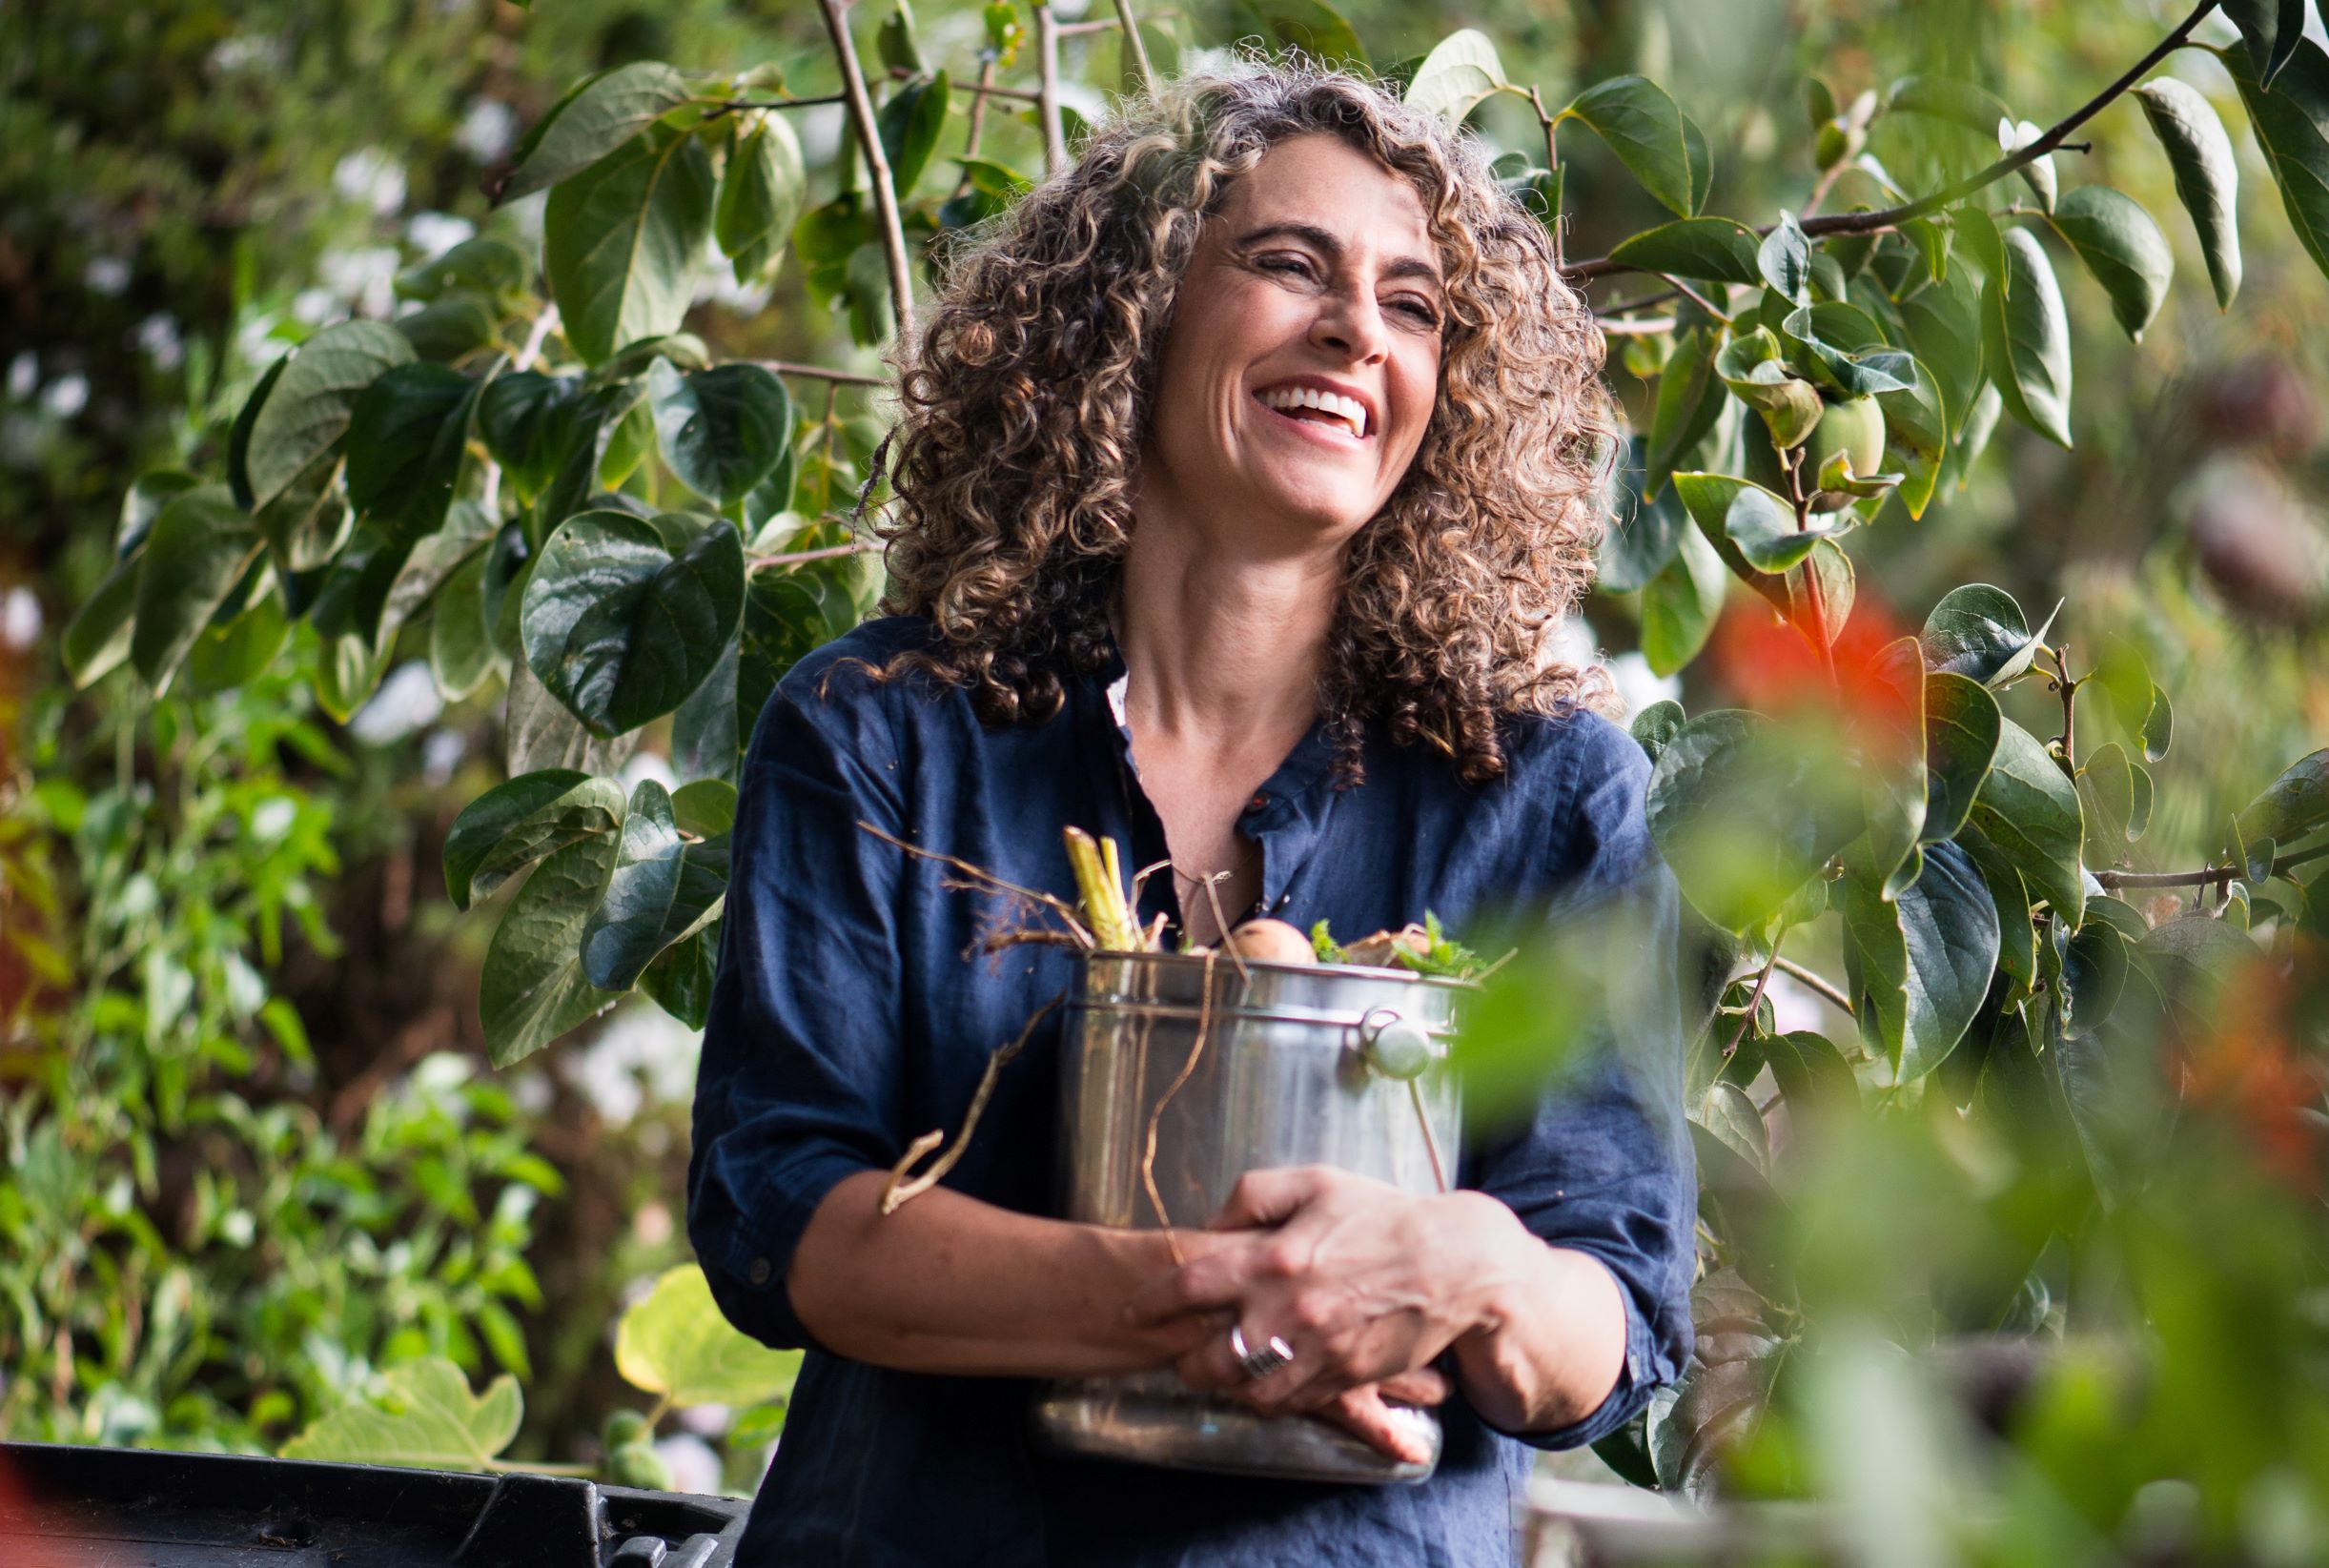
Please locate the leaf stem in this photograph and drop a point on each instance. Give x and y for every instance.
(1046, 97)
(1827, 989)
(1139, 51)
(830, 552)
(1754, 1000)
(860, 103)
(2062, 682)
(820, 372)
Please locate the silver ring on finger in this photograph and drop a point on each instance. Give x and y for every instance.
(1257, 1364)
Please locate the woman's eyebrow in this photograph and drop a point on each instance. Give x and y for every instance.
(1327, 245)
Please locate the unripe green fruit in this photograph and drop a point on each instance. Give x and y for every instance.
(626, 1426)
(637, 1464)
(1854, 426)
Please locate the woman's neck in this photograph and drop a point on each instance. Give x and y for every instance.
(1224, 648)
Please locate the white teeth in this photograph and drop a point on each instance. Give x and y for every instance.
(1350, 410)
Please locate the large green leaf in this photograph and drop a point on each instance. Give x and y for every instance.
(1979, 632)
(910, 123)
(462, 655)
(1643, 534)
(2271, 30)
(760, 196)
(520, 821)
(2294, 804)
(608, 112)
(1643, 127)
(2291, 125)
(522, 417)
(1689, 410)
(622, 239)
(2122, 247)
(1311, 27)
(1763, 527)
(97, 637)
(424, 1417)
(2026, 338)
(1961, 729)
(533, 989)
(721, 430)
(677, 1343)
(198, 549)
(2018, 948)
(1942, 324)
(1680, 604)
(1721, 249)
(307, 411)
(1920, 966)
(2207, 174)
(2027, 810)
(1745, 815)
(1459, 71)
(625, 932)
(540, 733)
(620, 624)
(406, 438)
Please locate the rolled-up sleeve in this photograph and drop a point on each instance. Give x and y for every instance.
(799, 1082)
(1602, 1162)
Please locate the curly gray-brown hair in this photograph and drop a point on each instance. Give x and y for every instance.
(1027, 398)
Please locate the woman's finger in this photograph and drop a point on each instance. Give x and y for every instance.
(1362, 1411)
(1422, 1386)
(1214, 1280)
(1267, 1197)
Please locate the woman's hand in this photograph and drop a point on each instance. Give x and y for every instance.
(1365, 1282)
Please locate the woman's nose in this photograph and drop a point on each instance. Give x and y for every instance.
(1351, 324)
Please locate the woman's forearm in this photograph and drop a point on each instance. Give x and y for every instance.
(1552, 1340)
(950, 1284)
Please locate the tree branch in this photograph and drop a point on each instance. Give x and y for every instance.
(831, 552)
(1047, 98)
(820, 372)
(1139, 51)
(869, 139)
(1825, 988)
(1893, 218)
(2214, 876)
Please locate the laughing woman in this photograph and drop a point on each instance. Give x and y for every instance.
(1244, 470)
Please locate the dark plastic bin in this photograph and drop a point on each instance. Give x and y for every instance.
(68, 1507)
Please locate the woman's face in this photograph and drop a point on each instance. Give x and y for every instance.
(1305, 353)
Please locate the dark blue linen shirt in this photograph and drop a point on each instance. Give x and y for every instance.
(846, 1020)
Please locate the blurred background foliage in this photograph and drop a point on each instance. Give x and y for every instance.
(251, 1154)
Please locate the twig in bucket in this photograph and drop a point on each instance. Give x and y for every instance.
(1431, 1145)
(1188, 1068)
(987, 879)
(1221, 923)
(899, 1191)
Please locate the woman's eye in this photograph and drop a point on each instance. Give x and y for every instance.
(1422, 313)
(1291, 265)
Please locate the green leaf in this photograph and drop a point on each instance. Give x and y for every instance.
(533, 989)
(2123, 248)
(522, 416)
(624, 932)
(787, 615)
(587, 435)
(2030, 812)
(1751, 368)
(2271, 30)
(1784, 261)
(608, 112)
(895, 42)
(706, 737)
(1978, 632)
(2207, 174)
(910, 123)
(759, 197)
(1982, 237)
(1745, 816)
(2291, 125)
(2017, 950)
(1763, 527)
(1919, 967)
(1643, 127)
(1655, 725)
(1702, 165)
(238, 449)
(620, 626)
(2291, 806)
(678, 1344)
(1310, 26)
(462, 655)
(520, 821)
(1892, 782)
(1721, 249)
(721, 430)
(1945, 98)
(1690, 408)
(307, 411)
(449, 328)
(1961, 720)
(1915, 436)
(97, 637)
(424, 1417)
(1459, 71)
(620, 241)
(483, 265)
(199, 548)
(2106, 791)
(1812, 1074)
(705, 808)
(679, 978)
(2026, 341)
(1942, 322)
(406, 438)
(2160, 728)
(1679, 604)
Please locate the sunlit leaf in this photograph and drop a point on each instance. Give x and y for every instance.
(606, 113)
(2207, 174)
(424, 1417)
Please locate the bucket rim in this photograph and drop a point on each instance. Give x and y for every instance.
(1084, 957)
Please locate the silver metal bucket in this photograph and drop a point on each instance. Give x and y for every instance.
(1298, 1066)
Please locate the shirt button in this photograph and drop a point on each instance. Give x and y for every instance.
(760, 1271)
(1258, 803)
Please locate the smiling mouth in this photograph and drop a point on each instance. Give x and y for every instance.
(1307, 405)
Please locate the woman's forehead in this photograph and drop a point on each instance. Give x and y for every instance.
(1323, 182)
